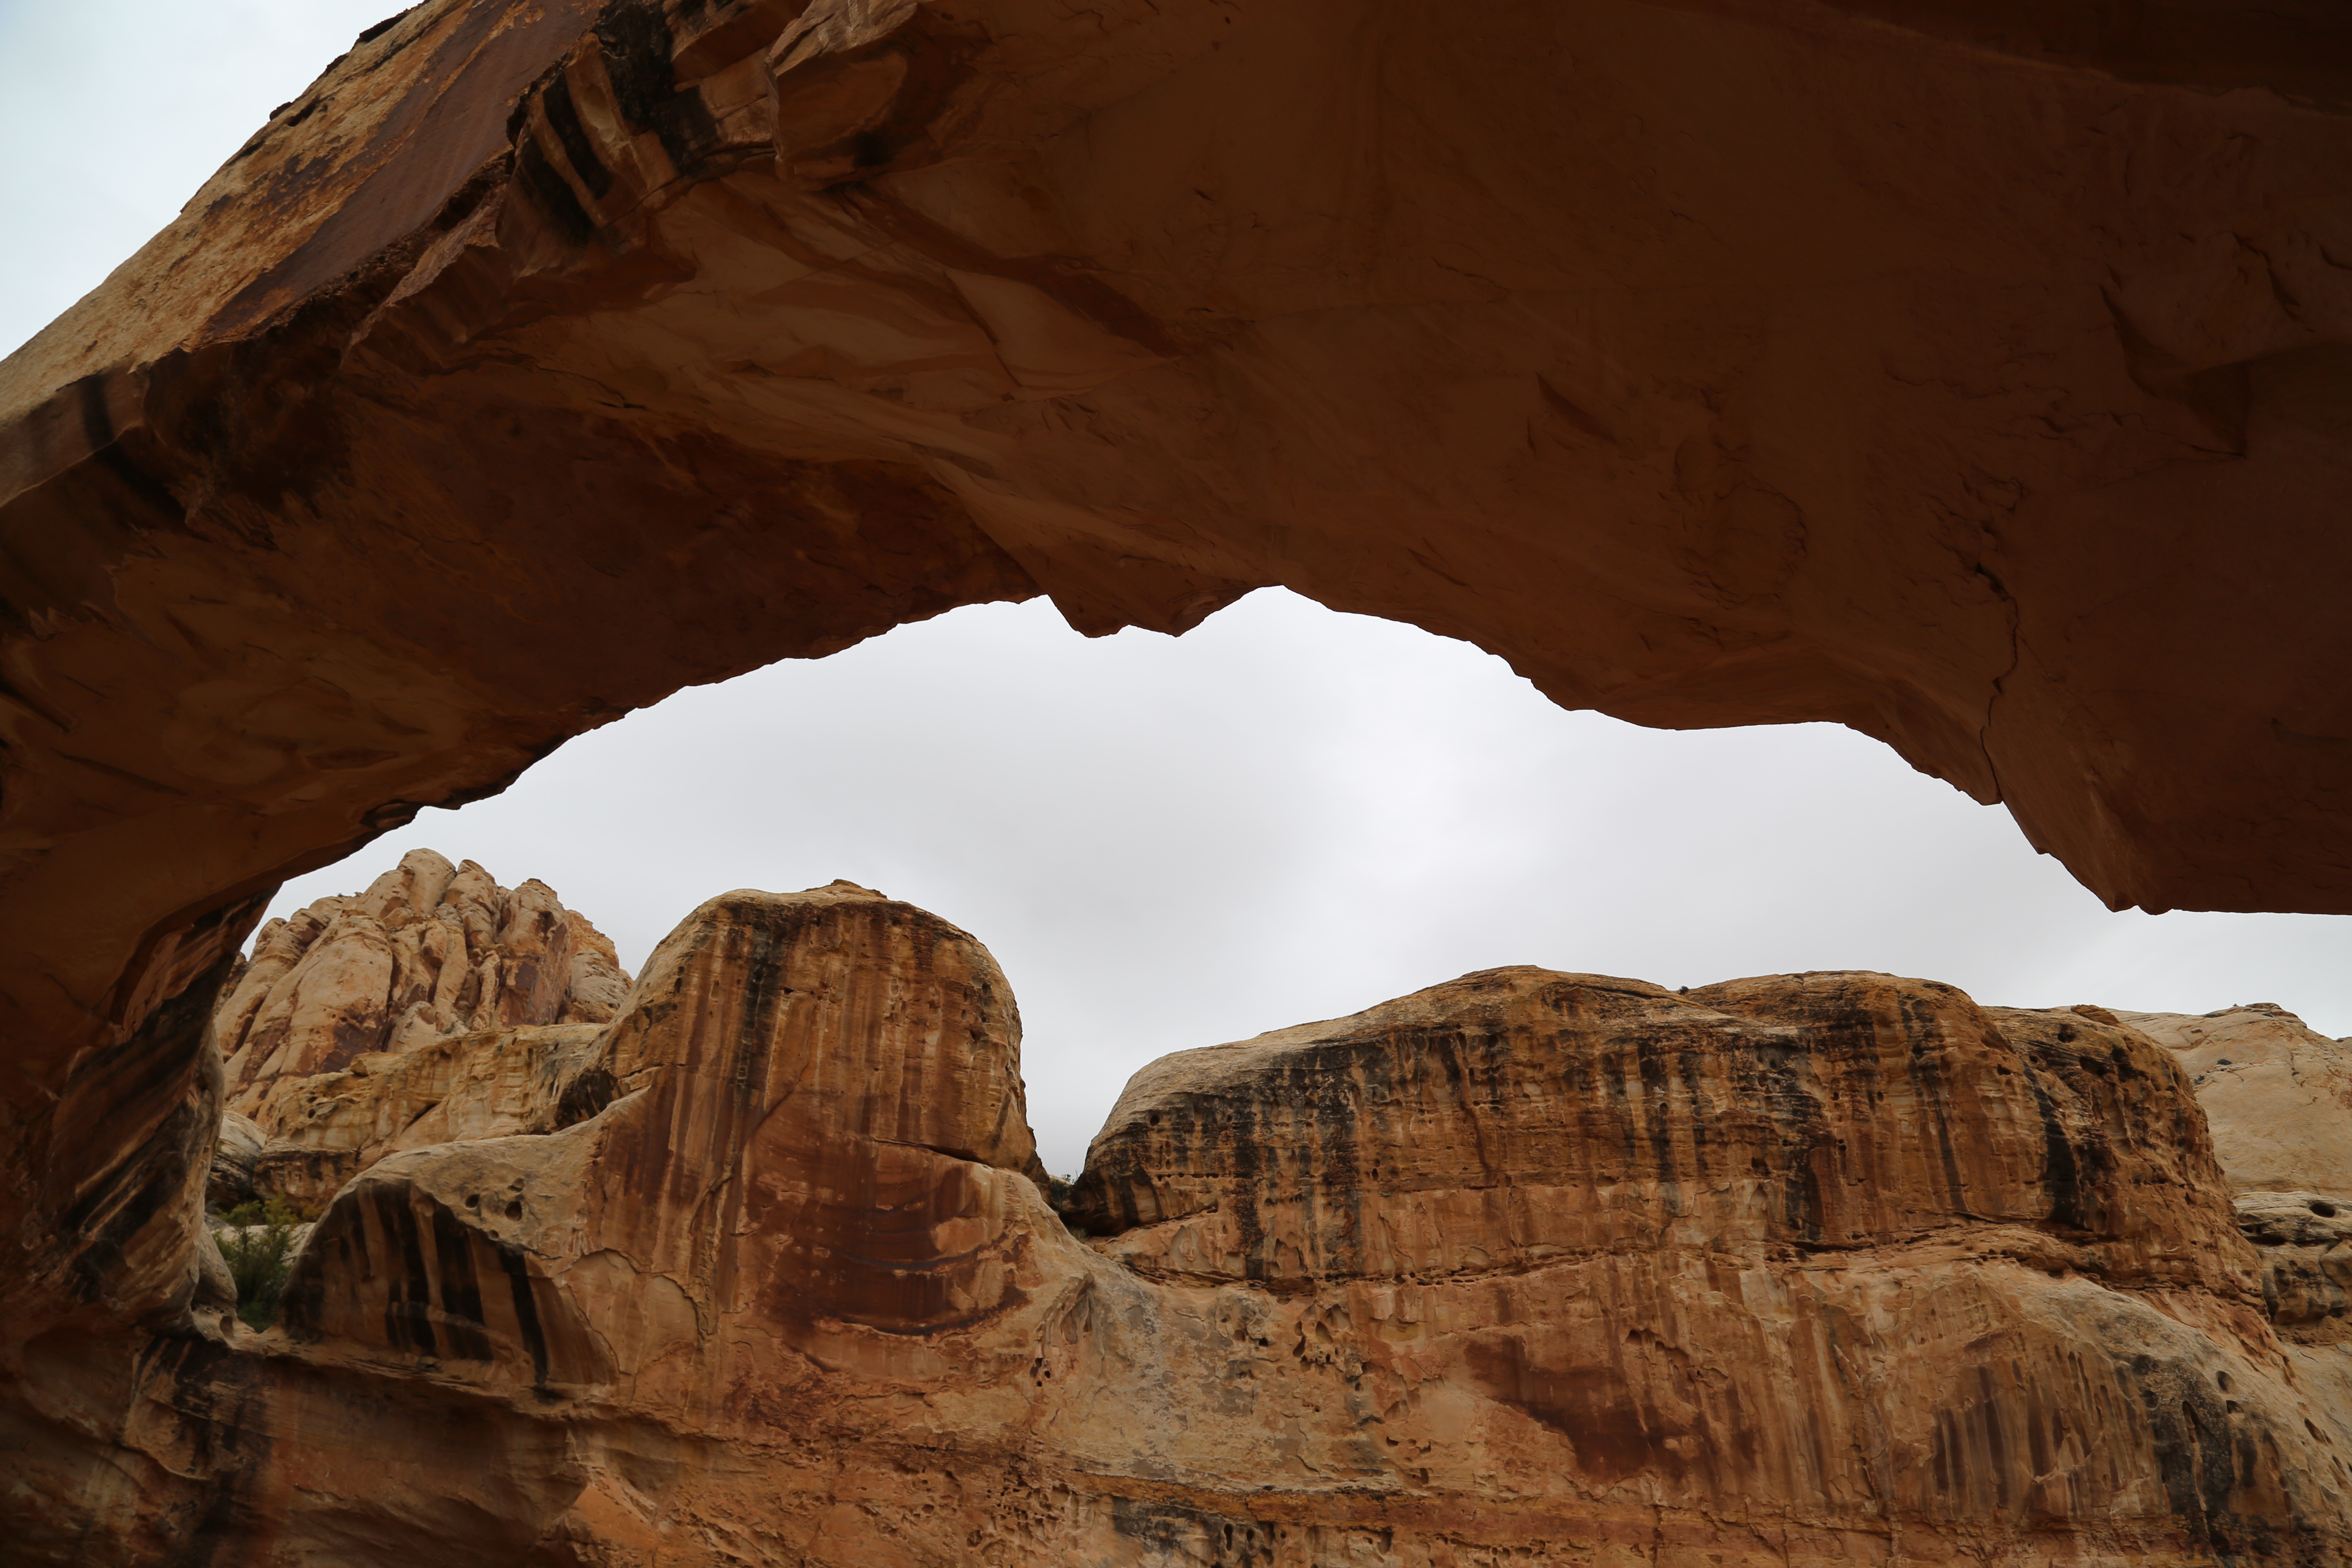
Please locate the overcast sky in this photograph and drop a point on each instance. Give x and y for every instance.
(1286, 815)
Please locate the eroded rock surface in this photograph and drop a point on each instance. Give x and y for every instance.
(819, 1096)
(539, 360)
(429, 951)
(2277, 1094)
(230, 1181)
(1644, 1219)
(2305, 1240)
(1511, 1116)
(435, 1005)
(486, 1084)
(1531, 1268)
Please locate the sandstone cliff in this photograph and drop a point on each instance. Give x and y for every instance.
(1917, 366)
(428, 951)
(2277, 1094)
(435, 1005)
(1531, 1268)
(325, 1129)
(1972, 1271)
(2278, 1097)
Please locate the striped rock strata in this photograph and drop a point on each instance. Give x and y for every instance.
(1919, 365)
(1531, 1268)
(1840, 1261)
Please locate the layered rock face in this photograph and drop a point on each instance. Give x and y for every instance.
(2279, 1097)
(1844, 1253)
(435, 1005)
(1456, 1130)
(539, 361)
(325, 1129)
(816, 1093)
(1532, 1267)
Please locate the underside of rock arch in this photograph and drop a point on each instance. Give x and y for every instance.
(1979, 377)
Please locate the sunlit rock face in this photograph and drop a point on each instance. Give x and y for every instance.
(1531, 1268)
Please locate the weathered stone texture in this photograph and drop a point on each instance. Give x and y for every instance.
(817, 1095)
(1519, 1116)
(1811, 1237)
(230, 1181)
(1922, 366)
(486, 1084)
(437, 1005)
(430, 950)
(2305, 1240)
(1531, 1268)
(1917, 366)
(2278, 1095)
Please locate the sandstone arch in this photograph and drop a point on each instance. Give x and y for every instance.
(1975, 378)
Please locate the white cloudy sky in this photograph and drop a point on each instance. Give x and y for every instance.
(1286, 815)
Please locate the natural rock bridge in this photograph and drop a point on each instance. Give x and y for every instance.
(1978, 376)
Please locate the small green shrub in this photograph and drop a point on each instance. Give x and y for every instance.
(257, 1241)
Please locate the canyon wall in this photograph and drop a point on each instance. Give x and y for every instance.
(1950, 372)
(1829, 1236)
(1923, 367)
(1531, 1268)
(2278, 1096)
(428, 951)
